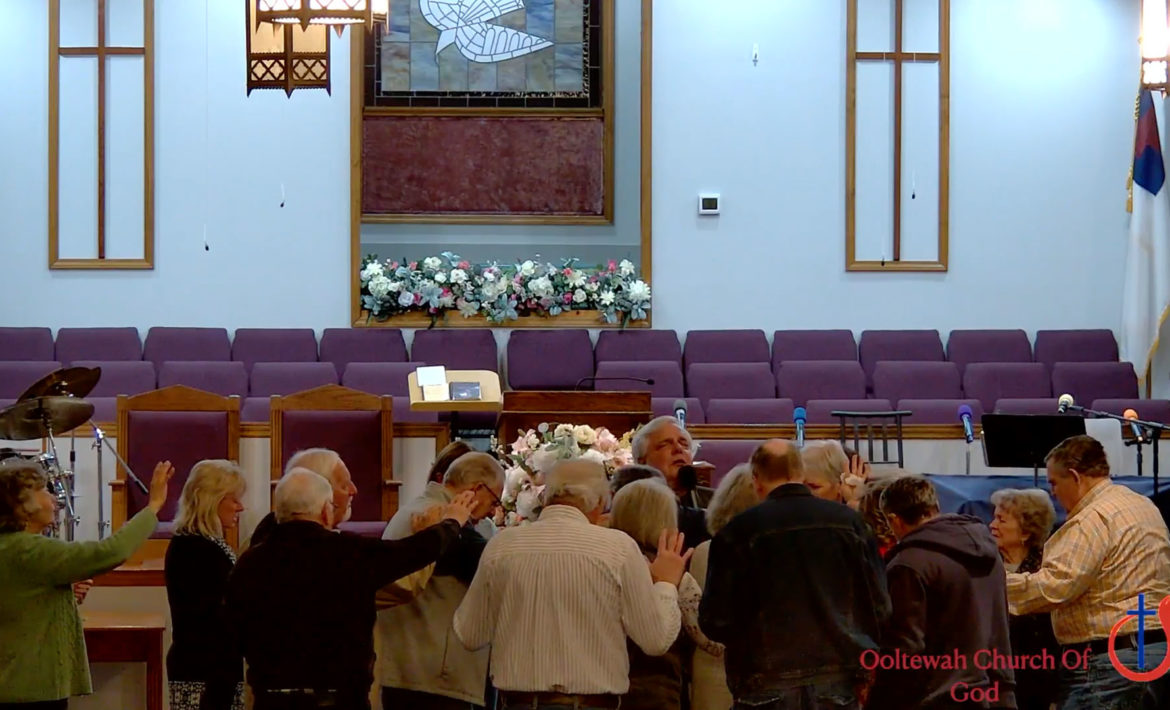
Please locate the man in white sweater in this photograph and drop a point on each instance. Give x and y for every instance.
(556, 599)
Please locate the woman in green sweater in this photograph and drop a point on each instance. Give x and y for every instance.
(42, 646)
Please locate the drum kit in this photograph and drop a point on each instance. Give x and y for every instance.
(53, 406)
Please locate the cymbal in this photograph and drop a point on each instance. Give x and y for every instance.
(66, 382)
(40, 417)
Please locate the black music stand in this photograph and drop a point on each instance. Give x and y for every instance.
(1024, 440)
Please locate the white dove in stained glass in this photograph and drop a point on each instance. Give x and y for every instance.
(464, 23)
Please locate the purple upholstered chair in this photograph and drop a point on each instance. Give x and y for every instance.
(909, 379)
(967, 346)
(878, 345)
(26, 344)
(283, 378)
(18, 375)
(939, 411)
(1150, 410)
(342, 346)
(1089, 381)
(664, 406)
(127, 377)
(1027, 405)
(456, 348)
(820, 410)
(1053, 346)
(165, 343)
(990, 382)
(176, 424)
(222, 378)
(730, 380)
(802, 380)
(106, 344)
(705, 346)
(726, 454)
(359, 427)
(253, 345)
(666, 375)
(637, 344)
(387, 378)
(549, 359)
(749, 411)
(812, 345)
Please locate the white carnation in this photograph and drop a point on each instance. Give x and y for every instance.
(380, 286)
(395, 286)
(440, 277)
(585, 435)
(579, 296)
(577, 279)
(607, 298)
(372, 270)
(458, 276)
(626, 268)
(528, 268)
(432, 262)
(639, 291)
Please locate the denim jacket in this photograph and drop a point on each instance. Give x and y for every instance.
(796, 591)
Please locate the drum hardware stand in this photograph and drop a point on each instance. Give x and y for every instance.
(99, 438)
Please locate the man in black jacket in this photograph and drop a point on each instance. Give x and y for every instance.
(795, 591)
(950, 620)
(302, 602)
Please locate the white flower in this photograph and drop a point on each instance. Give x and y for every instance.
(594, 455)
(592, 287)
(440, 277)
(577, 279)
(372, 269)
(625, 268)
(395, 286)
(514, 479)
(380, 286)
(458, 276)
(563, 430)
(406, 299)
(432, 262)
(467, 309)
(639, 291)
(528, 501)
(489, 275)
(585, 435)
(528, 268)
(541, 287)
(607, 298)
(542, 461)
(579, 296)
(447, 301)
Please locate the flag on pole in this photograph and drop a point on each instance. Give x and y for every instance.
(1146, 302)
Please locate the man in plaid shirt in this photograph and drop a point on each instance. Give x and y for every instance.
(1113, 547)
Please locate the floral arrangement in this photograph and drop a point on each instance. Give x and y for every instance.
(439, 284)
(534, 452)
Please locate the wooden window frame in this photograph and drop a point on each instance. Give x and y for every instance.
(899, 58)
(102, 52)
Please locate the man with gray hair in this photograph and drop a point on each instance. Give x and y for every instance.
(326, 463)
(665, 445)
(556, 599)
(303, 601)
(421, 666)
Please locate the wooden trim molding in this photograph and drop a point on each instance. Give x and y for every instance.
(101, 52)
(570, 319)
(817, 431)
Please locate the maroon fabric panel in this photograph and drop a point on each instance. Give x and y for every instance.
(355, 436)
(483, 165)
(183, 438)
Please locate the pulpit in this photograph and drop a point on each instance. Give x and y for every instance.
(617, 411)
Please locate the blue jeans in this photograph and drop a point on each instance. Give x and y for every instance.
(1101, 687)
(835, 695)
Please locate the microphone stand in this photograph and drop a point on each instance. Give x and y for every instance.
(1154, 429)
(99, 438)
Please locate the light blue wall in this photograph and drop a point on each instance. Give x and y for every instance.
(1041, 134)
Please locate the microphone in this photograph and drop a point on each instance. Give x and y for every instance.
(680, 412)
(688, 478)
(799, 416)
(965, 417)
(592, 379)
(1130, 416)
(1066, 400)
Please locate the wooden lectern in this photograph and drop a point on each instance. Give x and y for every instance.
(617, 411)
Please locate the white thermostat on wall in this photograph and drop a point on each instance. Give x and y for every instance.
(709, 203)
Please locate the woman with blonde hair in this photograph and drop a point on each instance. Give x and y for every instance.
(825, 464)
(734, 495)
(644, 509)
(1021, 525)
(203, 669)
(42, 646)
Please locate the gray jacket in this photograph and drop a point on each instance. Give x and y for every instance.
(417, 648)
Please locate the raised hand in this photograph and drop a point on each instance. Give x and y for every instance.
(853, 480)
(158, 485)
(670, 563)
(459, 509)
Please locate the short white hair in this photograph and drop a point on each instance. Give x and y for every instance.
(301, 492)
(472, 468)
(579, 483)
(643, 509)
(824, 461)
(735, 494)
(319, 461)
(641, 443)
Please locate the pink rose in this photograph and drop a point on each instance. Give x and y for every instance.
(567, 272)
(465, 265)
(612, 265)
(568, 298)
(593, 279)
(414, 265)
(446, 291)
(606, 442)
(393, 265)
(418, 298)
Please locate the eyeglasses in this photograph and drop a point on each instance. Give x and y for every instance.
(495, 497)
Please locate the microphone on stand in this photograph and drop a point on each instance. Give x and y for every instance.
(688, 479)
(1064, 403)
(680, 412)
(592, 379)
(1130, 416)
(965, 416)
(799, 416)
